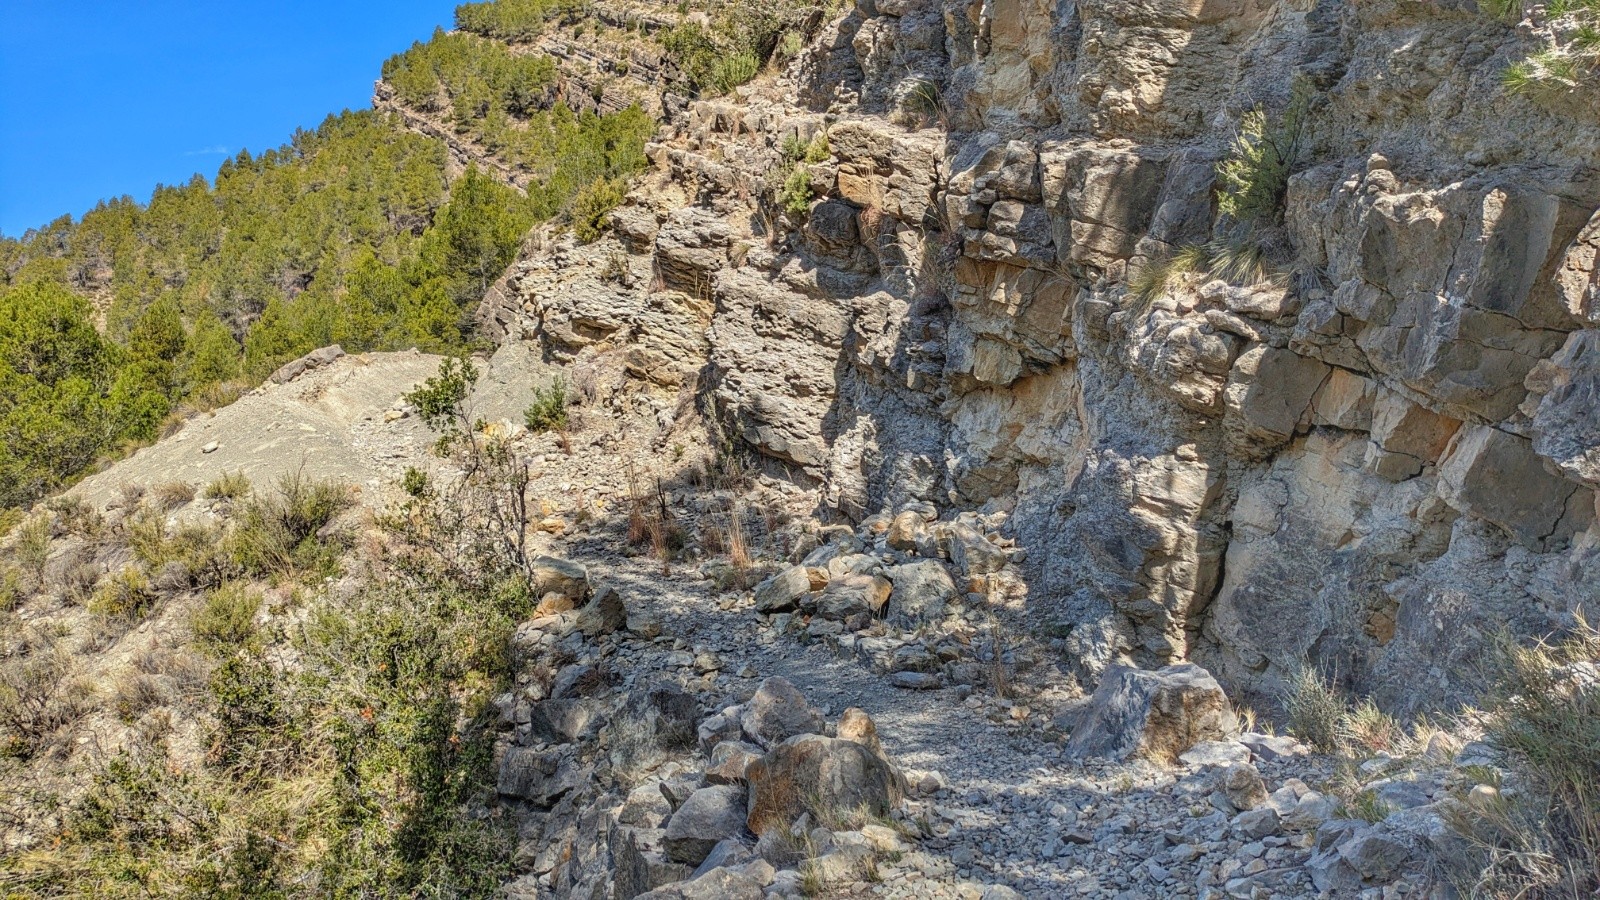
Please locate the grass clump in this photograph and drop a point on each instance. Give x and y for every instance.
(1315, 709)
(228, 486)
(1570, 61)
(194, 547)
(125, 595)
(1239, 261)
(548, 412)
(1542, 840)
(38, 695)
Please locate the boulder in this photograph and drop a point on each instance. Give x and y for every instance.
(1256, 823)
(716, 729)
(639, 865)
(577, 680)
(316, 359)
(782, 591)
(906, 530)
(973, 553)
(1497, 476)
(539, 776)
(726, 855)
(922, 590)
(1215, 753)
(668, 711)
(562, 721)
(1243, 787)
(855, 725)
(645, 807)
(1157, 714)
(548, 575)
(915, 681)
(776, 712)
(729, 760)
(710, 816)
(853, 599)
(605, 613)
(821, 776)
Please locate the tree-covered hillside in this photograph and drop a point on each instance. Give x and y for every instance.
(115, 323)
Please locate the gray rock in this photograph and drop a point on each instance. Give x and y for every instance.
(718, 884)
(922, 591)
(1243, 787)
(1256, 824)
(729, 760)
(548, 575)
(1376, 855)
(725, 855)
(645, 807)
(562, 721)
(816, 774)
(778, 711)
(782, 591)
(710, 816)
(577, 680)
(1157, 714)
(716, 729)
(605, 613)
(1271, 746)
(914, 681)
(1217, 754)
(539, 776)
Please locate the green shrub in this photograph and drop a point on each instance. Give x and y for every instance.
(549, 409)
(225, 620)
(32, 547)
(818, 150)
(414, 482)
(1254, 177)
(712, 62)
(734, 70)
(796, 192)
(592, 204)
(194, 546)
(124, 595)
(278, 533)
(513, 20)
(11, 588)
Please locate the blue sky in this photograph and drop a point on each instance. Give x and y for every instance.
(101, 99)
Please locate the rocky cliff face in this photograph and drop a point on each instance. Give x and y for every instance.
(933, 261)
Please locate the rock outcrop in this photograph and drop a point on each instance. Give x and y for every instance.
(1341, 437)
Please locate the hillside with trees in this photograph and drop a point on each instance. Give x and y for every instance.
(119, 323)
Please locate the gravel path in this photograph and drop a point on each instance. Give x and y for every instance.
(1013, 810)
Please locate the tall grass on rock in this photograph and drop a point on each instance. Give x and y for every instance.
(1543, 839)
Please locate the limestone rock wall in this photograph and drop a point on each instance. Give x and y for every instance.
(1370, 459)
